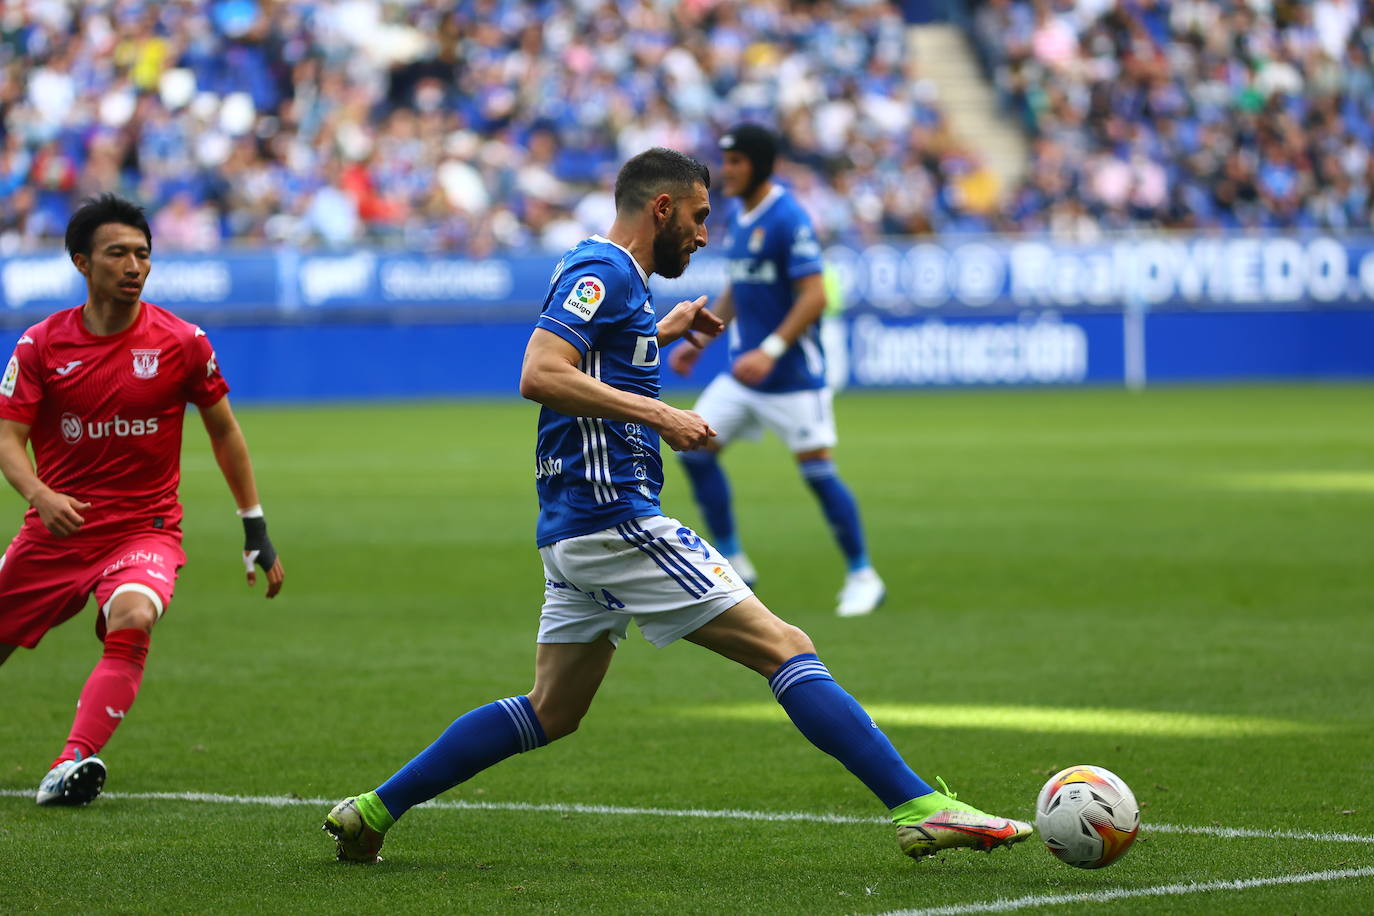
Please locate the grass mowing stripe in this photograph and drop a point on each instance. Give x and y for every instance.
(736, 814)
(1161, 890)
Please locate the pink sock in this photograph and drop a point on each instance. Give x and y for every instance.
(108, 694)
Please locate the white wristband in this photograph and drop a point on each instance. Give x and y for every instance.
(773, 346)
(250, 512)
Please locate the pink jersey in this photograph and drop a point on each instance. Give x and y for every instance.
(106, 413)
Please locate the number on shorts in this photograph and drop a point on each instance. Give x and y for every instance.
(690, 540)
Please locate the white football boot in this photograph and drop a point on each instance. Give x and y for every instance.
(72, 782)
(862, 593)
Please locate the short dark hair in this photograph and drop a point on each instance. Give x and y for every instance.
(95, 212)
(655, 171)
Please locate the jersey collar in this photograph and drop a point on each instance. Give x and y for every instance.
(642, 275)
(746, 217)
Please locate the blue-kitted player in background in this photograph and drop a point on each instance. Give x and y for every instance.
(610, 554)
(777, 376)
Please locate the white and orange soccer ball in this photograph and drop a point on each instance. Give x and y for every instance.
(1087, 816)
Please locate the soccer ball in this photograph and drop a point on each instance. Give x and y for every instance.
(1087, 816)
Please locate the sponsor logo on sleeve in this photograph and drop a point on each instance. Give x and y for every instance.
(586, 297)
(211, 367)
(11, 377)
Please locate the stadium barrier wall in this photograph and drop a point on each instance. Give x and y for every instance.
(291, 325)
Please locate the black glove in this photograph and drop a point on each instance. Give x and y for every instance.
(257, 546)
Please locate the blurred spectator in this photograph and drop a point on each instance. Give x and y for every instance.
(493, 125)
(1188, 114)
(468, 127)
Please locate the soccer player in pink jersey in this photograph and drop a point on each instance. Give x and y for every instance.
(100, 391)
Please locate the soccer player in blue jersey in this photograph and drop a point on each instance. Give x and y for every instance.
(610, 554)
(777, 376)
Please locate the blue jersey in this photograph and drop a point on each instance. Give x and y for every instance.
(770, 248)
(591, 473)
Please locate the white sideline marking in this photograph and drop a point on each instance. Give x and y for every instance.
(733, 814)
(1162, 890)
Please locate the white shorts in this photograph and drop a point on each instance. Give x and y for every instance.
(655, 571)
(803, 420)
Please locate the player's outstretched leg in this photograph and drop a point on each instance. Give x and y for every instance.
(832, 720)
(926, 820)
(480, 739)
(78, 775)
(711, 488)
(863, 590)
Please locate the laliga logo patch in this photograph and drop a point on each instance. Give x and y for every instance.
(723, 576)
(586, 297)
(145, 363)
(11, 377)
(72, 428)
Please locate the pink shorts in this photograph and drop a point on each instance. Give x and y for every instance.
(45, 581)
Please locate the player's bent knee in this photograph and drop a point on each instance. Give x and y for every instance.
(556, 723)
(132, 607)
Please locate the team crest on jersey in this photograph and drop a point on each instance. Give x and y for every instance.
(11, 377)
(145, 363)
(586, 297)
(756, 240)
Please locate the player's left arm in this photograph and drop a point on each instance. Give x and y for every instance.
(808, 302)
(231, 454)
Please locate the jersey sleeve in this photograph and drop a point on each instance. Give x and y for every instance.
(21, 387)
(204, 383)
(803, 249)
(586, 299)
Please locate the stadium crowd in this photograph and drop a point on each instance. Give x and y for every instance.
(471, 127)
(1187, 114)
(491, 125)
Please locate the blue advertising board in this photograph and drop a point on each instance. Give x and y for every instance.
(894, 277)
(293, 325)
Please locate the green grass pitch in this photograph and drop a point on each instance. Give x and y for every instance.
(1177, 585)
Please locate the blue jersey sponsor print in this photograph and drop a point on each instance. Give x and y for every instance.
(770, 248)
(591, 473)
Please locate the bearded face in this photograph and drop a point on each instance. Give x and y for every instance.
(673, 246)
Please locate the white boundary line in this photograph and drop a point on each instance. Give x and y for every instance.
(733, 814)
(1006, 905)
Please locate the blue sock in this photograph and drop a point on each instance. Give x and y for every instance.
(479, 739)
(835, 722)
(840, 509)
(712, 491)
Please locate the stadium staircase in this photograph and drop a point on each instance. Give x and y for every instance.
(944, 56)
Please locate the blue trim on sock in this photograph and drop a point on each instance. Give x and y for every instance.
(797, 670)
